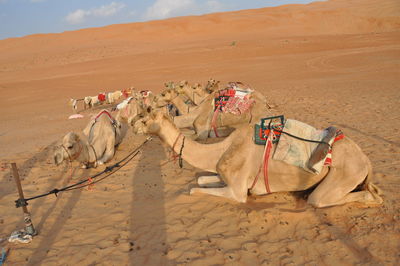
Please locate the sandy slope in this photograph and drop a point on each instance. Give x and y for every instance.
(328, 63)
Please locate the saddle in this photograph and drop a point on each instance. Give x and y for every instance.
(298, 144)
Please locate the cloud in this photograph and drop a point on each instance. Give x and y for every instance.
(169, 8)
(80, 15)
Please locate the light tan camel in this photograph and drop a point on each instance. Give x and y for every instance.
(130, 110)
(95, 146)
(170, 96)
(237, 161)
(200, 118)
(195, 94)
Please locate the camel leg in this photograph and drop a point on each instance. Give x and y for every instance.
(225, 192)
(210, 181)
(108, 153)
(336, 189)
(360, 196)
(236, 185)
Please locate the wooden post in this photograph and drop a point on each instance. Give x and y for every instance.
(27, 217)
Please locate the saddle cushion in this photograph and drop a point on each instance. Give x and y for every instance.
(298, 152)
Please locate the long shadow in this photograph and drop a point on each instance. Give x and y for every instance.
(48, 240)
(148, 237)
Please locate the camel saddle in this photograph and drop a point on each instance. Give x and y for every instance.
(321, 151)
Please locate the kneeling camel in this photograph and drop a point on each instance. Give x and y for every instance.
(237, 161)
(97, 144)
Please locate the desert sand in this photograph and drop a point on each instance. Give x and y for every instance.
(326, 63)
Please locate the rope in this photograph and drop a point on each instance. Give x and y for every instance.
(180, 153)
(89, 180)
(299, 138)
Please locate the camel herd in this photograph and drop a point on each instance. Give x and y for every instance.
(235, 159)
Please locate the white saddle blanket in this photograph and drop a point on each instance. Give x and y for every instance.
(297, 152)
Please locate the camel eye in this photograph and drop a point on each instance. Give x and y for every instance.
(70, 147)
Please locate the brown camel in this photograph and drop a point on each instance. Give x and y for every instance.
(237, 161)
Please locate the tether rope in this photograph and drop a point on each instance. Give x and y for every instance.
(78, 185)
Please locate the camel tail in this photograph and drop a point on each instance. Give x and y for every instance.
(372, 188)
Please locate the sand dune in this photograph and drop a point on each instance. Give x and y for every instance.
(326, 63)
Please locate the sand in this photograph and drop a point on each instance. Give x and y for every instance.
(326, 63)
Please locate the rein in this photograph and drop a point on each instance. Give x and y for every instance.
(175, 155)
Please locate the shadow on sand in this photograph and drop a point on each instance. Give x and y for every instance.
(148, 237)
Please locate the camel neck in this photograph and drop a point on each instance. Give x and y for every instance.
(202, 156)
(180, 104)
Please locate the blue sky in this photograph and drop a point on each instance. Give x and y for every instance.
(24, 17)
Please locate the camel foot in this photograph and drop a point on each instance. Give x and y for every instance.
(225, 192)
(210, 181)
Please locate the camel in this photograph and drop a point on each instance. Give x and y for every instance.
(170, 96)
(112, 97)
(95, 146)
(130, 110)
(200, 118)
(196, 94)
(236, 160)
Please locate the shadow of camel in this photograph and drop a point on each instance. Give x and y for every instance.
(148, 238)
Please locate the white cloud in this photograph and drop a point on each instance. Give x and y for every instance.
(168, 8)
(76, 17)
(79, 16)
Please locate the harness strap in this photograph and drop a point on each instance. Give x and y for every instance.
(174, 154)
(266, 157)
(108, 114)
(94, 152)
(214, 122)
(267, 154)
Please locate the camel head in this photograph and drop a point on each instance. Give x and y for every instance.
(165, 97)
(148, 124)
(212, 85)
(169, 85)
(199, 90)
(70, 148)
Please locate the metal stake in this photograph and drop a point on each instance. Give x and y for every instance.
(27, 217)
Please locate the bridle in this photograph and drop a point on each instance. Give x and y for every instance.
(71, 158)
(180, 151)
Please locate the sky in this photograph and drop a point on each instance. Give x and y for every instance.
(24, 17)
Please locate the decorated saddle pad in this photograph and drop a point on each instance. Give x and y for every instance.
(101, 97)
(234, 99)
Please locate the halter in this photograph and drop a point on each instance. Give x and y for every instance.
(69, 155)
